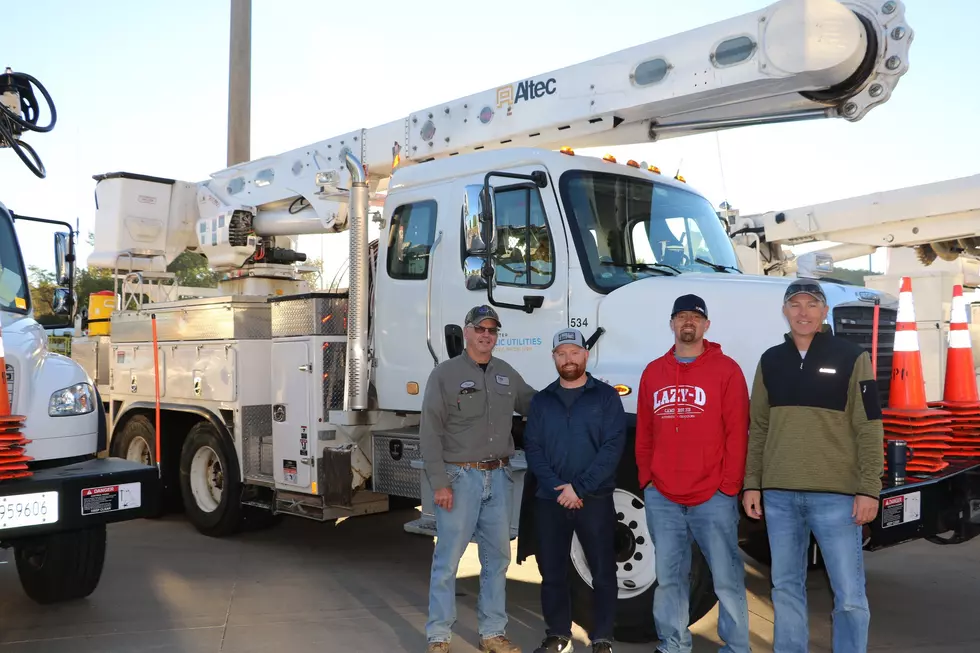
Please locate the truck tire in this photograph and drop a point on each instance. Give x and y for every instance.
(636, 576)
(62, 566)
(136, 441)
(210, 483)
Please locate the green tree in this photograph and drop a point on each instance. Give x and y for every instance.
(853, 277)
(192, 270)
(42, 289)
(313, 278)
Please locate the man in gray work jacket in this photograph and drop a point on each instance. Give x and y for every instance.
(467, 414)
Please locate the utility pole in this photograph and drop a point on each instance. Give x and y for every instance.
(239, 82)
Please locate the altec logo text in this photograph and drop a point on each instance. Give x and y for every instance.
(527, 90)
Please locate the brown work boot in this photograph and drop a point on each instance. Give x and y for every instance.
(437, 647)
(499, 644)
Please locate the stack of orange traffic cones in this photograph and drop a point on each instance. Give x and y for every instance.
(960, 389)
(13, 462)
(927, 431)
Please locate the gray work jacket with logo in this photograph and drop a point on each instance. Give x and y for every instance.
(467, 414)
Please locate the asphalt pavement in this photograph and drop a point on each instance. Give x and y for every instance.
(360, 586)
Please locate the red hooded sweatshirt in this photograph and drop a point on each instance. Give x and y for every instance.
(692, 426)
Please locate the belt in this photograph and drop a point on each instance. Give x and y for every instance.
(484, 465)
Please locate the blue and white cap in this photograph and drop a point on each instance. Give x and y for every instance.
(568, 337)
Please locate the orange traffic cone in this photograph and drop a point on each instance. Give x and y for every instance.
(908, 417)
(960, 389)
(907, 391)
(13, 462)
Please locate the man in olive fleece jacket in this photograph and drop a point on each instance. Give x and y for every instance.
(815, 458)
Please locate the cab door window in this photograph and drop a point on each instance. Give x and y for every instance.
(524, 253)
(410, 239)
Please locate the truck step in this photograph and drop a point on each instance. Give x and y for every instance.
(314, 507)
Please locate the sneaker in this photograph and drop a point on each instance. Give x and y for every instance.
(498, 644)
(555, 644)
(601, 646)
(437, 647)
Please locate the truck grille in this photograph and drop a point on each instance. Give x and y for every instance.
(856, 323)
(9, 374)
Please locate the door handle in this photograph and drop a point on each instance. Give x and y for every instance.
(306, 368)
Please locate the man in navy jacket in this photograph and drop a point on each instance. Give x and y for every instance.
(574, 438)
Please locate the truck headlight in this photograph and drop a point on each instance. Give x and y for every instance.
(79, 399)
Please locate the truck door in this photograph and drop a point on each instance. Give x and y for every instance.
(402, 289)
(529, 258)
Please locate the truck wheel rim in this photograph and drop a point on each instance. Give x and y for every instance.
(139, 451)
(636, 562)
(207, 479)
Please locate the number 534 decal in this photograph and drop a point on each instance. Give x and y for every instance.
(576, 322)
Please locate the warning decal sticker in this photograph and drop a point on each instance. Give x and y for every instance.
(901, 509)
(109, 498)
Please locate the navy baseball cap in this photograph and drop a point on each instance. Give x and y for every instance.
(689, 303)
(568, 337)
(804, 287)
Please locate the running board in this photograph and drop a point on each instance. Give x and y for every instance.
(311, 506)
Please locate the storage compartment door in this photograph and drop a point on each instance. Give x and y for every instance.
(292, 382)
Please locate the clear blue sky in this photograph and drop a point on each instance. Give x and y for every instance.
(142, 87)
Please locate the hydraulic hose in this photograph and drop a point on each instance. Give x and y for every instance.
(19, 113)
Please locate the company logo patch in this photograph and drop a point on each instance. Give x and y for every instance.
(467, 384)
(503, 380)
(568, 335)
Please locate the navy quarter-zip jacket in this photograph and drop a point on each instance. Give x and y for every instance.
(581, 445)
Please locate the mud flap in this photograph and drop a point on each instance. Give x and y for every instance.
(335, 477)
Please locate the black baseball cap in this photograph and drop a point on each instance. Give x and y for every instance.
(689, 303)
(804, 287)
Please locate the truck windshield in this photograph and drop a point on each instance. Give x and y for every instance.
(627, 228)
(13, 286)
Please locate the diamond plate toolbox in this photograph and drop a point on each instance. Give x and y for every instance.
(210, 318)
(309, 314)
(391, 464)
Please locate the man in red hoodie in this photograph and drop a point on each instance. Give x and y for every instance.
(692, 426)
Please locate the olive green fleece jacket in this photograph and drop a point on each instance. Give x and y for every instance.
(815, 420)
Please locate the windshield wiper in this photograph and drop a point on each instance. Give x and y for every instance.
(653, 267)
(718, 266)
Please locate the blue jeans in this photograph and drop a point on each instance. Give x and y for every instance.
(714, 526)
(790, 518)
(482, 503)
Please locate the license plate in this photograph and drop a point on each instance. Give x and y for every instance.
(28, 510)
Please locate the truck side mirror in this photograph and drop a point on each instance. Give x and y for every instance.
(61, 254)
(62, 302)
(473, 227)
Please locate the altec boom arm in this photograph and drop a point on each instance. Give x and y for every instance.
(793, 60)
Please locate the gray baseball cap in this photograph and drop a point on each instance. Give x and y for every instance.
(479, 313)
(568, 337)
(804, 287)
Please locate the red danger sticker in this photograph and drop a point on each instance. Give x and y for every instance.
(110, 498)
(109, 489)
